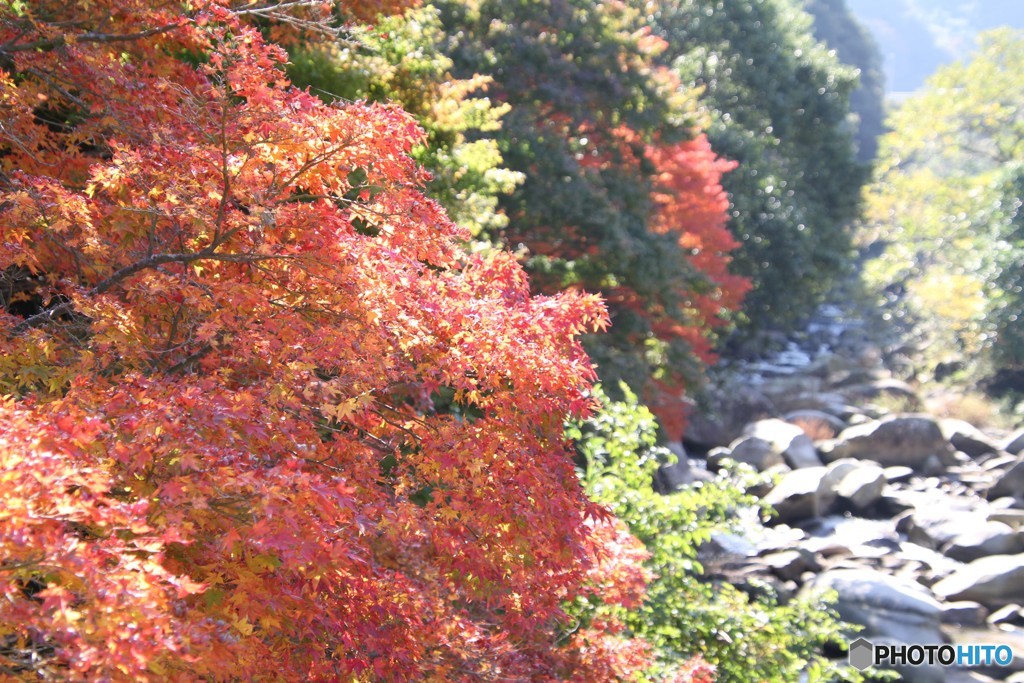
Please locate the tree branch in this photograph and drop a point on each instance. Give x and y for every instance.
(43, 317)
(60, 41)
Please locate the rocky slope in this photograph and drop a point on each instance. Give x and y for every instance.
(916, 521)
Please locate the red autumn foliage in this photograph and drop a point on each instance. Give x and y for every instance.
(266, 418)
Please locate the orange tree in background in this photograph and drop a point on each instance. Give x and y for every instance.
(263, 417)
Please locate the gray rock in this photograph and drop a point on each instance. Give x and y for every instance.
(1014, 443)
(1012, 615)
(861, 488)
(811, 416)
(1013, 517)
(756, 452)
(790, 565)
(941, 522)
(1010, 482)
(982, 538)
(728, 409)
(965, 437)
(886, 606)
(964, 613)
(677, 475)
(898, 473)
(906, 440)
(796, 447)
(801, 494)
(994, 581)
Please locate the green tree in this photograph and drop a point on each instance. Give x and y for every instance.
(590, 107)
(400, 59)
(779, 106)
(945, 203)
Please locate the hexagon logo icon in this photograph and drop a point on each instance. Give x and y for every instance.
(862, 654)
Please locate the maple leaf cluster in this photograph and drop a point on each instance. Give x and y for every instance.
(265, 417)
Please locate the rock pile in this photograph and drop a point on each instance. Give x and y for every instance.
(917, 522)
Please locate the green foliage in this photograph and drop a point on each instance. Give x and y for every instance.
(685, 613)
(399, 59)
(584, 103)
(946, 202)
(779, 106)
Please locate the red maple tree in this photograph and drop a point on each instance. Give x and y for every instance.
(265, 418)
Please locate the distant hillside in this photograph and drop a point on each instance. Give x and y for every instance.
(917, 36)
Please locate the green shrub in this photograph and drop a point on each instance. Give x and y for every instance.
(686, 613)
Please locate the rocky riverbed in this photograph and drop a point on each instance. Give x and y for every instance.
(916, 521)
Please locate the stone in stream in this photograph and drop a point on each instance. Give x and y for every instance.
(861, 487)
(1010, 482)
(891, 389)
(891, 610)
(800, 495)
(788, 440)
(964, 613)
(994, 581)
(1014, 444)
(982, 539)
(907, 440)
(967, 438)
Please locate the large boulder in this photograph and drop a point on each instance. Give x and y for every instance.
(938, 522)
(908, 440)
(886, 606)
(1010, 482)
(800, 495)
(967, 438)
(861, 487)
(993, 581)
(751, 450)
(788, 440)
(983, 539)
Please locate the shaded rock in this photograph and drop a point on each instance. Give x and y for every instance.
(677, 475)
(753, 451)
(965, 437)
(728, 409)
(886, 606)
(982, 538)
(789, 565)
(894, 440)
(787, 439)
(1011, 615)
(799, 495)
(1010, 482)
(994, 581)
(1014, 444)
(964, 613)
(829, 403)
